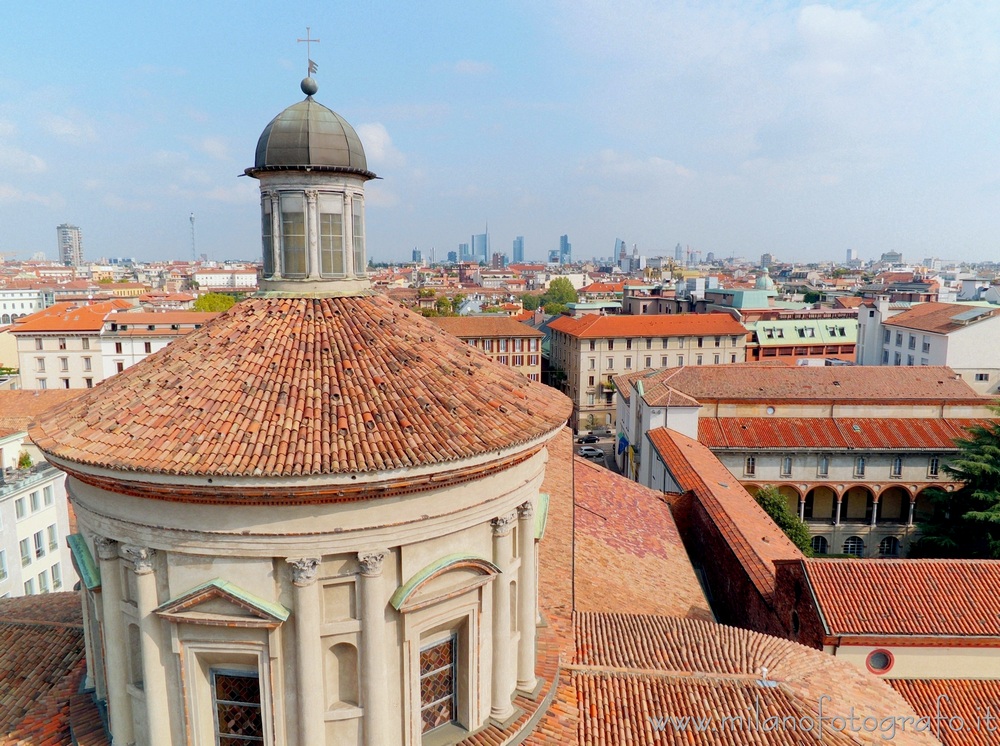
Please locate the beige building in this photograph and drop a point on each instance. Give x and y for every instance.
(503, 339)
(588, 352)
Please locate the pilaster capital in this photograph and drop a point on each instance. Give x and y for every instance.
(502, 525)
(371, 563)
(525, 511)
(107, 549)
(140, 557)
(304, 570)
(311, 196)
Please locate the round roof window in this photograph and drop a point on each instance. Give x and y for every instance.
(879, 661)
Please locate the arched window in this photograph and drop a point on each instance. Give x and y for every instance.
(750, 465)
(897, 467)
(855, 545)
(888, 547)
(819, 545)
(344, 680)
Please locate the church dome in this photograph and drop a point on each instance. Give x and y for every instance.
(764, 282)
(307, 135)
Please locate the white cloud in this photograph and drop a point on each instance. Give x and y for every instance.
(7, 129)
(74, 129)
(10, 193)
(19, 161)
(215, 147)
(379, 149)
(610, 163)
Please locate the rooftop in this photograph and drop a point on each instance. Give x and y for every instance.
(595, 326)
(466, 327)
(941, 318)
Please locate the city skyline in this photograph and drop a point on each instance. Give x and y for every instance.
(799, 130)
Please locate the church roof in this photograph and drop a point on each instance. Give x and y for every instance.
(301, 387)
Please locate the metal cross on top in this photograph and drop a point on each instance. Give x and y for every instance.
(313, 67)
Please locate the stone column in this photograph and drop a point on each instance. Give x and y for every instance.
(89, 680)
(836, 513)
(501, 707)
(312, 234)
(115, 644)
(154, 683)
(348, 228)
(275, 233)
(874, 509)
(527, 597)
(309, 683)
(802, 509)
(374, 692)
(913, 502)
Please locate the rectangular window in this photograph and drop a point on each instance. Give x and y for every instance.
(87, 365)
(120, 366)
(680, 361)
(786, 466)
(628, 363)
(3, 565)
(750, 466)
(293, 238)
(897, 359)
(29, 587)
(86, 343)
(611, 344)
(885, 357)
(39, 544)
(43, 581)
(933, 466)
(590, 381)
(64, 363)
(912, 342)
(42, 383)
(40, 364)
(701, 341)
(611, 363)
(593, 345)
(909, 360)
(236, 703)
(267, 236)
(25, 546)
(64, 382)
(628, 344)
(886, 336)
(438, 690)
(698, 360)
(649, 343)
(53, 536)
(47, 495)
(19, 505)
(118, 348)
(859, 466)
(62, 343)
(56, 577)
(925, 345)
(982, 376)
(359, 237)
(38, 343)
(147, 347)
(331, 244)
(664, 362)
(532, 359)
(649, 361)
(35, 503)
(897, 467)
(717, 359)
(502, 345)
(823, 468)
(89, 382)
(593, 363)
(899, 339)
(590, 400)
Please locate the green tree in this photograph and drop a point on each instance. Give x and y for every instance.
(214, 302)
(530, 302)
(966, 523)
(811, 296)
(443, 305)
(777, 507)
(554, 309)
(560, 291)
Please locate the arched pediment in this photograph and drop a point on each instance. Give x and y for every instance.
(411, 595)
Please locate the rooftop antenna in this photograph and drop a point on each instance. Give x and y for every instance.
(194, 255)
(313, 67)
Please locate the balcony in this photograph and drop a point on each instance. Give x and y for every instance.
(15, 480)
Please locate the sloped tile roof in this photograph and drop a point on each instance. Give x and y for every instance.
(303, 386)
(749, 531)
(938, 318)
(967, 699)
(69, 317)
(18, 409)
(486, 326)
(595, 326)
(801, 433)
(629, 554)
(907, 597)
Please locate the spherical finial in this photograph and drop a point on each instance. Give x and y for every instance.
(309, 86)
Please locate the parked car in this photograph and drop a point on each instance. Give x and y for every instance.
(591, 452)
(588, 439)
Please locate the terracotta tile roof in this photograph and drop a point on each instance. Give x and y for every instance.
(804, 433)
(626, 545)
(69, 317)
(162, 318)
(937, 318)
(19, 409)
(848, 301)
(595, 326)
(746, 382)
(41, 665)
(289, 387)
(603, 287)
(632, 673)
(750, 532)
(967, 699)
(465, 327)
(906, 597)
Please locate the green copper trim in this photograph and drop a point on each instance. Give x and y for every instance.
(437, 567)
(83, 560)
(541, 514)
(270, 608)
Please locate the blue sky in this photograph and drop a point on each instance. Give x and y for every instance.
(733, 127)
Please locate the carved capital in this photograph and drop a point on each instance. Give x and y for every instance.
(525, 511)
(140, 557)
(311, 196)
(371, 563)
(107, 549)
(304, 570)
(502, 525)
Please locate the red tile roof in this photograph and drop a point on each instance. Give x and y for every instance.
(956, 708)
(749, 382)
(906, 597)
(294, 387)
(753, 536)
(69, 317)
(595, 326)
(804, 433)
(938, 318)
(465, 327)
(19, 409)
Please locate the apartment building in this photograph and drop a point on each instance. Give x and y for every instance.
(853, 449)
(586, 354)
(963, 336)
(226, 279)
(505, 340)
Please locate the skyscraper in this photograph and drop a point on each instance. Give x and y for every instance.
(518, 252)
(463, 252)
(565, 250)
(480, 247)
(70, 245)
(417, 256)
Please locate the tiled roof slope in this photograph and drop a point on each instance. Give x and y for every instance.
(937, 318)
(69, 317)
(634, 672)
(485, 326)
(778, 383)
(303, 386)
(907, 597)
(628, 552)
(967, 699)
(18, 409)
(753, 536)
(41, 664)
(595, 326)
(803, 433)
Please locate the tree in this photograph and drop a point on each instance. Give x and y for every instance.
(560, 291)
(214, 302)
(530, 302)
(443, 305)
(775, 506)
(966, 523)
